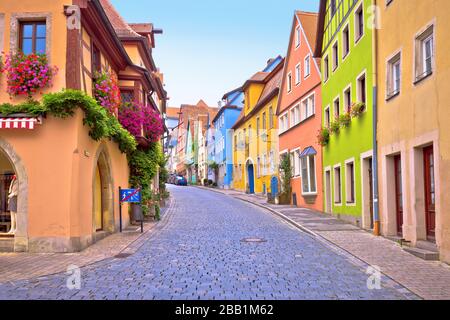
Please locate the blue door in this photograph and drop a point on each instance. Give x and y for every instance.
(251, 178)
(274, 186)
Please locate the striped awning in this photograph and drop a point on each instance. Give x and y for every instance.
(19, 123)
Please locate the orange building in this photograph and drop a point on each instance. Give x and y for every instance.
(68, 183)
(299, 112)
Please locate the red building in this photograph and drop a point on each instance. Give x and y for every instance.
(299, 112)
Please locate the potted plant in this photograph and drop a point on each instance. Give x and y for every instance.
(28, 74)
(323, 138)
(335, 126)
(345, 120)
(357, 109)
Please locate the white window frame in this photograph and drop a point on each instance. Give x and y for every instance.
(391, 62)
(327, 108)
(344, 94)
(298, 37)
(345, 54)
(307, 67)
(335, 59)
(289, 82)
(298, 74)
(326, 69)
(338, 98)
(355, 15)
(308, 174)
(347, 182)
(334, 185)
(358, 90)
(307, 99)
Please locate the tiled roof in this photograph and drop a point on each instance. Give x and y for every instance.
(121, 27)
(309, 21)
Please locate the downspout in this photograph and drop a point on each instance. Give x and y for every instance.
(376, 208)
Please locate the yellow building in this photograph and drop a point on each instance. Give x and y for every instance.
(255, 137)
(413, 121)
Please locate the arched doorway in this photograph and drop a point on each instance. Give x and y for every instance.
(10, 164)
(6, 176)
(250, 177)
(103, 205)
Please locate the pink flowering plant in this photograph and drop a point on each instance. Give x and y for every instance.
(137, 118)
(28, 74)
(106, 91)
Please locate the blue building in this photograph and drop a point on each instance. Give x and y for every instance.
(223, 122)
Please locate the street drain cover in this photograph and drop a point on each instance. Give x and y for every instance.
(122, 255)
(253, 240)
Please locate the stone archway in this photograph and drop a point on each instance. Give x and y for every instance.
(250, 170)
(21, 235)
(102, 199)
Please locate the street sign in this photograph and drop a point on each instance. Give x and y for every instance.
(130, 195)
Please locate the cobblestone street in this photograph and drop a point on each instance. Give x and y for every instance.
(197, 252)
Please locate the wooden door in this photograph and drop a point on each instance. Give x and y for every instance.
(430, 192)
(398, 193)
(328, 191)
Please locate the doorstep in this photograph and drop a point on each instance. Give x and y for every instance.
(425, 250)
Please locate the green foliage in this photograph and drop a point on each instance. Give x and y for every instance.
(286, 173)
(157, 212)
(335, 126)
(323, 138)
(64, 104)
(345, 120)
(31, 107)
(357, 109)
(143, 167)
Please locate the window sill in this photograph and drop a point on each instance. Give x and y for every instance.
(421, 78)
(391, 96)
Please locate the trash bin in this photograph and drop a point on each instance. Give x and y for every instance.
(136, 212)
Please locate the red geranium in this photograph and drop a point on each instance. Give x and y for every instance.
(28, 74)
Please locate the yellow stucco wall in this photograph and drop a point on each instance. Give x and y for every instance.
(259, 146)
(58, 34)
(417, 117)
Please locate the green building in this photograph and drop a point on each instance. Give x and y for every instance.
(345, 42)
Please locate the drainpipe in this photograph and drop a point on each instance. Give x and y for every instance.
(376, 212)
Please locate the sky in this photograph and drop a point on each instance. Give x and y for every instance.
(210, 47)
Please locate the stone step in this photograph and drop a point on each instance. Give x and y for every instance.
(7, 244)
(422, 253)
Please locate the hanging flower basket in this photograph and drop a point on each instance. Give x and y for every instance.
(357, 109)
(27, 74)
(141, 121)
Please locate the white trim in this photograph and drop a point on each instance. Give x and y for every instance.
(350, 204)
(346, 26)
(309, 46)
(357, 87)
(333, 69)
(289, 83)
(307, 57)
(299, 80)
(355, 40)
(337, 204)
(338, 97)
(388, 63)
(327, 56)
(344, 94)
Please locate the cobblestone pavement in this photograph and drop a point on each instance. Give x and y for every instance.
(427, 279)
(197, 252)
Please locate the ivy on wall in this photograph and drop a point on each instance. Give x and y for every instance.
(64, 104)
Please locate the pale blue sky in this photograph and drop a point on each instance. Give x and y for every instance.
(210, 47)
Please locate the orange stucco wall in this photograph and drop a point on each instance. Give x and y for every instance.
(304, 134)
(60, 159)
